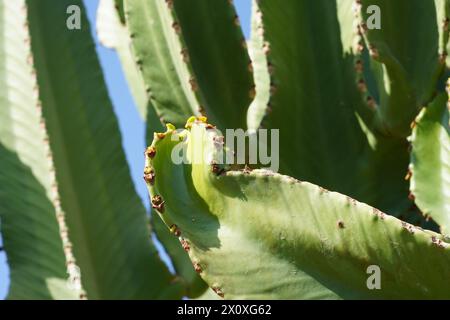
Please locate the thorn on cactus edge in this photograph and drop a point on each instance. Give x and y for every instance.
(149, 175)
(218, 291)
(150, 152)
(160, 135)
(185, 55)
(252, 93)
(185, 245)
(370, 102)
(197, 267)
(359, 66)
(373, 51)
(445, 23)
(174, 229)
(216, 169)
(158, 203)
(176, 27)
(236, 21)
(411, 196)
(194, 85)
(408, 175)
(437, 242)
(442, 57)
(169, 3)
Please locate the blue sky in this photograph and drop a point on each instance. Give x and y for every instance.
(131, 126)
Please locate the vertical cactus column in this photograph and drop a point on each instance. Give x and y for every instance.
(61, 132)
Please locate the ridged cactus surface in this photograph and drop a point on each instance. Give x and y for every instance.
(356, 89)
(288, 238)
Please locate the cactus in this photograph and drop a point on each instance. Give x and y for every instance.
(319, 240)
(364, 175)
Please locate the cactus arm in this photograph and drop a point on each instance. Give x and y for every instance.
(215, 47)
(288, 239)
(105, 219)
(329, 139)
(430, 162)
(261, 75)
(28, 203)
(158, 52)
(193, 285)
(113, 34)
(406, 64)
(313, 101)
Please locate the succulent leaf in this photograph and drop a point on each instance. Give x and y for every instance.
(288, 239)
(430, 162)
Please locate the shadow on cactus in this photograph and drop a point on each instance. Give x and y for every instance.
(360, 208)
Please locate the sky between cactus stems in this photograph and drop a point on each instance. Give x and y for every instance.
(131, 126)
